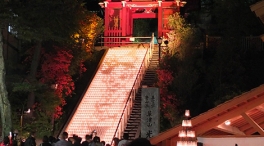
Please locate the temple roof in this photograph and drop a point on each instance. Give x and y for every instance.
(244, 112)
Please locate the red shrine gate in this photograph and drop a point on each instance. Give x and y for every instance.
(119, 16)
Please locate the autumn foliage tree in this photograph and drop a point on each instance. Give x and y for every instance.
(167, 98)
(55, 83)
(183, 37)
(206, 77)
(37, 22)
(54, 71)
(175, 65)
(60, 65)
(91, 27)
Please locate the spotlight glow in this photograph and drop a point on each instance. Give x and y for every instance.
(101, 106)
(227, 122)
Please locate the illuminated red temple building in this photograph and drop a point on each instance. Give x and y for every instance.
(119, 15)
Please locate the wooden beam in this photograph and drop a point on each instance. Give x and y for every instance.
(248, 126)
(257, 5)
(144, 15)
(251, 130)
(165, 143)
(141, 4)
(173, 141)
(229, 129)
(209, 124)
(253, 123)
(260, 108)
(229, 104)
(260, 12)
(141, 0)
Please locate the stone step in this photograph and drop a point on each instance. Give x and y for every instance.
(149, 79)
(132, 126)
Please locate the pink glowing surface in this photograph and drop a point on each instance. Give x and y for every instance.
(104, 100)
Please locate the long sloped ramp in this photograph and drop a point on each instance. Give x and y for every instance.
(101, 106)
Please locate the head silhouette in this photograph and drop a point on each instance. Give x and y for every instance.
(96, 139)
(140, 142)
(126, 136)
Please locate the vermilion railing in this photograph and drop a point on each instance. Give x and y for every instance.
(114, 41)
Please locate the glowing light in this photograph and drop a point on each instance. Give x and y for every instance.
(183, 3)
(227, 122)
(190, 133)
(101, 4)
(105, 3)
(186, 123)
(187, 113)
(131, 39)
(178, 2)
(123, 3)
(182, 133)
(186, 143)
(27, 112)
(103, 103)
(187, 136)
(159, 1)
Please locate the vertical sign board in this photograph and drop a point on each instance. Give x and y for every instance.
(150, 113)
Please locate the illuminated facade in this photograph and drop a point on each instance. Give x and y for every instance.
(119, 15)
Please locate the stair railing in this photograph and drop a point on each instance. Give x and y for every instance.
(114, 41)
(131, 98)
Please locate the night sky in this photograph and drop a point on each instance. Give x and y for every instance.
(92, 5)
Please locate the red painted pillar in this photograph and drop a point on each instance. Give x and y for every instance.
(129, 22)
(124, 18)
(160, 19)
(106, 21)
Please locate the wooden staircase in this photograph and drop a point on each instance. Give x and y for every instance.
(133, 125)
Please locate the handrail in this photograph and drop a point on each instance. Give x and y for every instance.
(126, 37)
(115, 40)
(123, 42)
(129, 103)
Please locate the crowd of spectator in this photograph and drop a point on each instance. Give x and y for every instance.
(65, 140)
